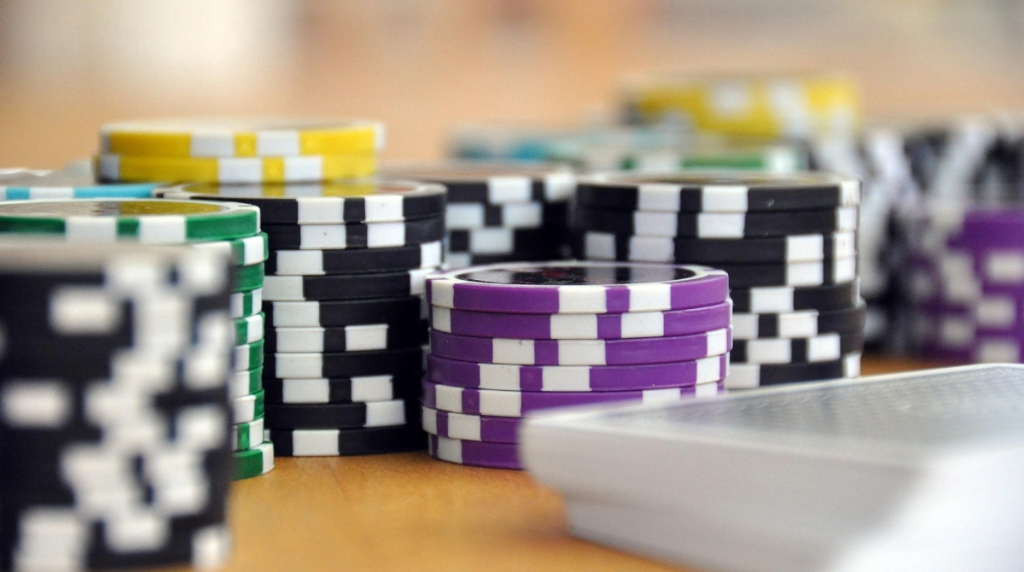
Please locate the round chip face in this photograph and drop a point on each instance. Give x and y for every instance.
(240, 137)
(577, 287)
(150, 221)
(333, 202)
(714, 191)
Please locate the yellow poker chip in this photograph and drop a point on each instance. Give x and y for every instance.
(239, 137)
(300, 169)
(757, 106)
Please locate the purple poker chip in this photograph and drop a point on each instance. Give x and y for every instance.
(992, 228)
(582, 326)
(573, 378)
(474, 453)
(578, 288)
(471, 427)
(501, 403)
(634, 351)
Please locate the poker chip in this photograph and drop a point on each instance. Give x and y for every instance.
(344, 442)
(582, 326)
(707, 192)
(244, 382)
(819, 348)
(22, 186)
(244, 251)
(357, 389)
(336, 415)
(248, 278)
(518, 403)
(249, 329)
(715, 224)
(240, 137)
(270, 169)
(344, 364)
(326, 203)
(147, 221)
(780, 299)
(248, 407)
(747, 376)
(577, 287)
(470, 427)
(815, 273)
(346, 339)
(497, 240)
(245, 304)
(254, 462)
(340, 313)
(802, 324)
(474, 453)
(248, 356)
(346, 286)
(354, 261)
(505, 377)
(492, 183)
(775, 250)
(581, 352)
(116, 360)
(245, 436)
(354, 235)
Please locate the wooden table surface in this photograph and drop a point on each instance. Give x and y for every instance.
(410, 512)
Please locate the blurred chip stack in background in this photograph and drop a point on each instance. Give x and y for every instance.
(500, 212)
(114, 416)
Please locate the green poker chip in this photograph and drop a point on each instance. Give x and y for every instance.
(245, 436)
(151, 221)
(248, 277)
(246, 382)
(249, 329)
(243, 251)
(248, 357)
(248, 407)
(254, 462)
(246, 303)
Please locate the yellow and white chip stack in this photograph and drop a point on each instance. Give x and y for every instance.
(763, 106)
(238, 150)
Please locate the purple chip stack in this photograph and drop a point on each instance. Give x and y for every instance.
(510, 339)
(967, 283)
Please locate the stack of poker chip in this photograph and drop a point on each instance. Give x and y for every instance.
(770, 106)
(344, 296)
(231, 229)
(114, 419)
(788, 243)
(509, 339)
(500, 212)
(238, 150)
(966, 282)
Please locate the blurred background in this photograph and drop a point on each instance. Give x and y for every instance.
(423, 66)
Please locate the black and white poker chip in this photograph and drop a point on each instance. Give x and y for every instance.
(345, 286)
(345, 339)
(715, 225)
(344, 442)
(354, 235)
(711, 251)
(749, 376)
(800, 324)
(356, 389)
(338, 415)
(407, 311)
(696, 191)
(820, 348)
(326, 203)
(354, 261)
(343, 364)
(779, 299)
(491, 241)
(799, 274)
(492, 183)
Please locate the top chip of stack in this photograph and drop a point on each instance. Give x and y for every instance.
(500, 211)
(21, 184)
(787, 242)
(512, 338)
(238, 150)
(799, 105)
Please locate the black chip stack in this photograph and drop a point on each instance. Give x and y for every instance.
(500, 212)
(345, 322)
(114, 414)
(788, 243)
